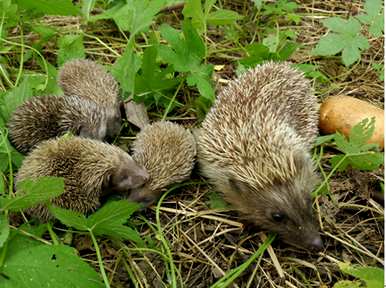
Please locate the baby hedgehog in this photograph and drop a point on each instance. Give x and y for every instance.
(90, 169)
(90, 80)
(254, 147)
(45, 117)
(167, 151)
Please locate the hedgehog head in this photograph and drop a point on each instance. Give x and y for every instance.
(282, 204)
(127, 175)
(167, 150)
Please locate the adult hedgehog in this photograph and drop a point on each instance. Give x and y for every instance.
(90, 80)
(254, 147)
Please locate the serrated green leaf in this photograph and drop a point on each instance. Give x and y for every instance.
(110, 218)
(347, 284)
(135, 16)
(31, 192)
(118, 231)
(362, 132)
(16, 96)
(350, 54)
(329, 45)
(345, 37)
(342, 26)
(48, 266)
(46, 7)
(373, 276)
(125, 69)
(112, 212)
(324, 139)
(374, 17)
(70, 218)
(4, 229)
(70, 47)
(311, 71)
(186, 53)
(223, 17)
(152, 79)
(194, 11)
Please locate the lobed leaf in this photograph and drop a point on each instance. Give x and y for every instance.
(32, 192)
(373, 276)
(47, 266)
(4, 229)
(125, 69)
(223, 17)
(46, 7)
(70, 218)
(70, 47)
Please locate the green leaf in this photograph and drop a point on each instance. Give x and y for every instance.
(46, 7)
(324, 139)
(135, 16)
(344, 37)
(194, 11)
(374, 17)
(53, 266)
(87, 6)
(186, 53)
(328, 45)
(152, 79)
(10, 16)
(373, 276)
(357, 153)
(216, 201)
(223, 17)
(347, 284)
(110, 218)
(107, 221)
(18, 95)
(125, 68)
(70, 47)
(311, 71)
(70, 218)
(4, 229)
(31, 192)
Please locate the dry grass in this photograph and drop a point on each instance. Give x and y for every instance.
(207, 243)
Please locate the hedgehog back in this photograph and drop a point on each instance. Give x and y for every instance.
(45, 117)
(167, 151)
(256, 124)
(85, 165)
(90, 80)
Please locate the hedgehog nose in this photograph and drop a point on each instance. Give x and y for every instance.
(317, 243)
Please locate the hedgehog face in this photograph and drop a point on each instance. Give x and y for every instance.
(128, 175)
(144, 195)
(284, 207)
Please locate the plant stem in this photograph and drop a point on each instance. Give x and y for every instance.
(100, 261)
(52, 234)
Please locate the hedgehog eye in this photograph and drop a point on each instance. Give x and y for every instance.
(278, 216)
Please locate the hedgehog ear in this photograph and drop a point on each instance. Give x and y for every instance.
(239, 186)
